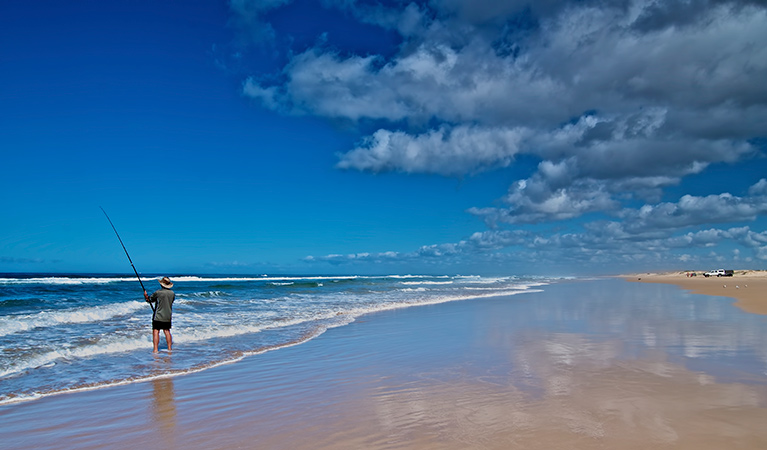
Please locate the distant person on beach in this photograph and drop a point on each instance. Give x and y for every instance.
(161, 320)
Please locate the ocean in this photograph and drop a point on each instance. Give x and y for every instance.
(65, 333)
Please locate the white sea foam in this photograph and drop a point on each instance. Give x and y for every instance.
(44, 319)
(189, 279)
(201, 334)
(206, 294)
(520, 287)
(64, 280)
(480, 280)
(397, 277)
(118, 344)
(429, 300)
(106, 346)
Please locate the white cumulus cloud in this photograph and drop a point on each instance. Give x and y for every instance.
(617, 101)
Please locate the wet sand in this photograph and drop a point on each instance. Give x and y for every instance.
(534, 371)
(748, 287)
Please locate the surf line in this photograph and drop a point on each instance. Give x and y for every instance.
(154, 310)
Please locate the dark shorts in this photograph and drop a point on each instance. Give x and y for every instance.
(157, 325)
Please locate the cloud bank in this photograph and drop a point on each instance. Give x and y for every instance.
(616, 100)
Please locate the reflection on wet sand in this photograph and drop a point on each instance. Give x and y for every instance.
(605, 364)
(584, 399)
(164, 409)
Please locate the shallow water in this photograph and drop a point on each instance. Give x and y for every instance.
(63, 333)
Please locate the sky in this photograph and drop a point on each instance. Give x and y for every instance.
(481, 137)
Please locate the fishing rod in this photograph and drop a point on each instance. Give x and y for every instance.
(126, 254)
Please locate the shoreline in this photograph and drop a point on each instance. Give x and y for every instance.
(528, 288)
(578, 365)
(747, 287)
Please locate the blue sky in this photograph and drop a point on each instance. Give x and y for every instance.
(344, 136)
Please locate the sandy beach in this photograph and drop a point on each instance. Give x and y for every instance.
(748, 287)
(582, 365)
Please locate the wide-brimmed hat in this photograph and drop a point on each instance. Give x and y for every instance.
(166, 283)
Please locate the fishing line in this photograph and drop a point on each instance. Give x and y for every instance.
(154, 311)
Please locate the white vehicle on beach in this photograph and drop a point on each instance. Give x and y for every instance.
(718, 273)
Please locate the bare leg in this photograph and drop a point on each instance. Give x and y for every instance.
(168, 339)
(155, 339)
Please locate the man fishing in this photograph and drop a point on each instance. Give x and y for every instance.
(162, 299)
(161, 319)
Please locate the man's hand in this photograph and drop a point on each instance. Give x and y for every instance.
(146, 297)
